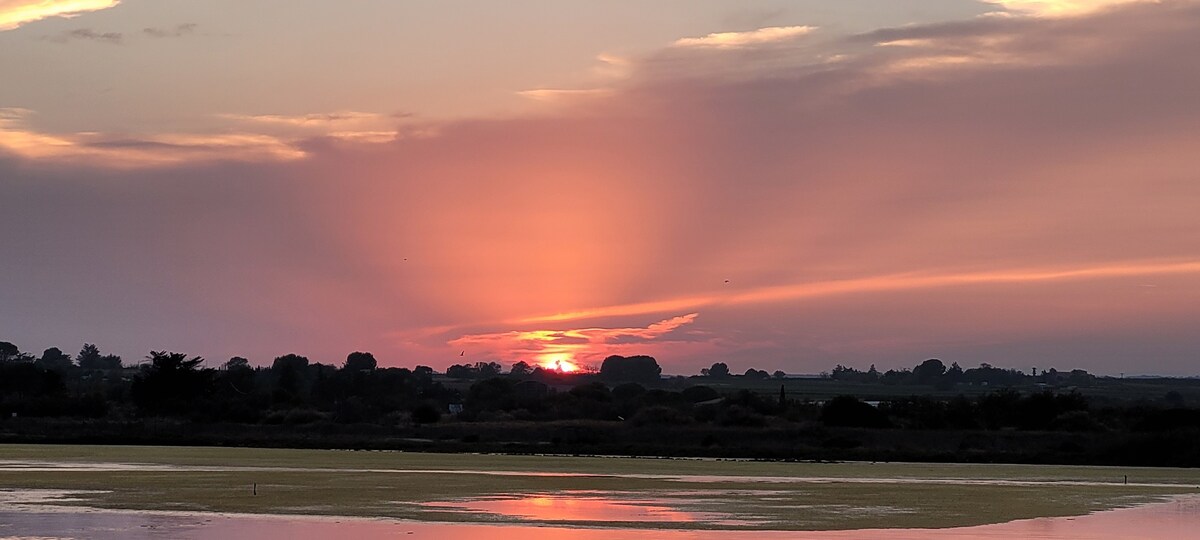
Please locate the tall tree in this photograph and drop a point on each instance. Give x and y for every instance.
(718, 370)
(8, 352)
(171, 384)
(55, 360)
(88, 356)
(360, 361)
(639, 368)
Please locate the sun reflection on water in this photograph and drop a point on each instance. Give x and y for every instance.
(585, 507)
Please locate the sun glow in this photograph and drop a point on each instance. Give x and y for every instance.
(560, 362)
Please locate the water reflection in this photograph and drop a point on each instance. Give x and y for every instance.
(585, 506)
(1176, 520)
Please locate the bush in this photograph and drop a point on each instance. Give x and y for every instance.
(659, 415)
(700, 394)
(737, 415)
(426, 413)
(848, 411)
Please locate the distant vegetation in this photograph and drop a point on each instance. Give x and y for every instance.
(929, 412)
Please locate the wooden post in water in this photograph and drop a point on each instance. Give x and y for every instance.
(1127, 479)
(256, 488)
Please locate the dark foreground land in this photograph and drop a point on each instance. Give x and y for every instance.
(593, 437)
(929, 413)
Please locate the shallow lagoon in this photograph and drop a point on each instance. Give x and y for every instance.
(1174, 520)
(203, 493)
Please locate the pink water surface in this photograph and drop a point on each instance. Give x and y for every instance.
(1176, 520)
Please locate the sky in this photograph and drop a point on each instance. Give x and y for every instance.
(777, 184)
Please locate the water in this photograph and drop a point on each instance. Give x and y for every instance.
(29, 518)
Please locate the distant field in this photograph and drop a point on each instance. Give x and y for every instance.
(786, 496)
(823, 389)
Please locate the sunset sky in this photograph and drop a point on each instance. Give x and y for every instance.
(778, 184)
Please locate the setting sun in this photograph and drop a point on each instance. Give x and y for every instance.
(561, 362)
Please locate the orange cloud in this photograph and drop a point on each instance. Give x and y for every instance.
(14, 13)
(355, 126)
(1060, 8)
(547, 347)
(733, 40)
(159, 150)
(897, 282)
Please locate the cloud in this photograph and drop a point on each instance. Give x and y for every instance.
(345, 125)
(114, 38)
(108, 150)
(901, 282)
(576, 345)
(266, 138)
(15, 13)
(180, 30)
(553, 95)
(1060, 8)
(733, 40)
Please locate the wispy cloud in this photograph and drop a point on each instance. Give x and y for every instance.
(180, 30)
(88, 34)
(248, 138)
(876, 284)
(14, 13)
(555, 95)
(110, 150)
(733, 40)
(358, 126)
(1059, 8)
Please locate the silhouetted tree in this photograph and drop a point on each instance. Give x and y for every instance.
(756, 374)
(55, 360)
(170, 384)
(639, 368)
(521, 369)
(236, 363)
(848, 411)
(487, 370)
(293, 362)
(360, 361)
(8, 351)
(88, 356)
(628, 391)
(929, 371)
(717, 370)
(290, 371)
(492, 394)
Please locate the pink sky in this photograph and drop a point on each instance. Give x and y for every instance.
(1014, 186)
